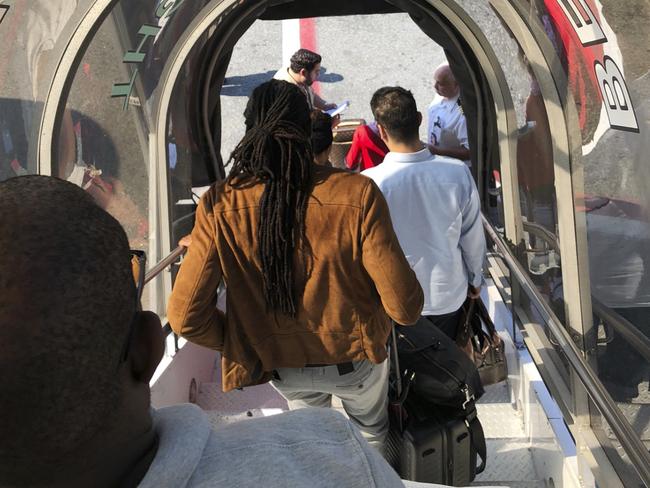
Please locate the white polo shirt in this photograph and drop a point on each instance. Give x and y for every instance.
(447, 126)
(436, 214)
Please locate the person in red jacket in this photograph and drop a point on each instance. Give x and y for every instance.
(368, 150)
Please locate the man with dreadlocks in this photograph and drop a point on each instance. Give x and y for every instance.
(312, 267)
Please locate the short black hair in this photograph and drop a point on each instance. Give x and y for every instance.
(321, 131)
(67, 297)
(394, 108)
(304, 59)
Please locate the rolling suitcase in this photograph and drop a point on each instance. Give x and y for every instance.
(437, 447)
(429, 443)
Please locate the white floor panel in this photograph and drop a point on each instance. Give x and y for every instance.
(501, 421)
(510, 461)
(499, 393)
(211, 398)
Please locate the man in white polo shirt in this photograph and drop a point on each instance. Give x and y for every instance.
(435, 209)
(447, 127)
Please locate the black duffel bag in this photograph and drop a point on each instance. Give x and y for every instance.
(435, 435)
(436, 368)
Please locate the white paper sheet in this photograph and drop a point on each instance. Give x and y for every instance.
(339, 109)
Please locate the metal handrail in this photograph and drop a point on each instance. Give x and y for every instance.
(630, 441)
(624, 327)
(164, 263)
(543, 233)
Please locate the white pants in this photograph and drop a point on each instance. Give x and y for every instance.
(363, 393)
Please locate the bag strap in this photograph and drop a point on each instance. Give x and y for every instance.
(477, 437)
(485, 316)
(398, 376)
(463, 333)
(402, 389)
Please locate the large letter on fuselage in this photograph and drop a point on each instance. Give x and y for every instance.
(584, 22)
(138, 55)
(616, 96)
(167, 8)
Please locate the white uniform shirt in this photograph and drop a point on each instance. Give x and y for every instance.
(447, 126)
(436, 214)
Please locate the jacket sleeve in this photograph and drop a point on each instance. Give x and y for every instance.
(319, 102)
(192, 310)
(472, 236)
(384, 260)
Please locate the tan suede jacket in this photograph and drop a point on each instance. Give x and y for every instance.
(358, 278)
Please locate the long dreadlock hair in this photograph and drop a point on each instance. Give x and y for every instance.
(276, 150)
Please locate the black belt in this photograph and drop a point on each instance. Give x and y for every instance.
(343, 368)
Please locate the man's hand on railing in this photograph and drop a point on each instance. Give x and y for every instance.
(185, 241)
(168, 261)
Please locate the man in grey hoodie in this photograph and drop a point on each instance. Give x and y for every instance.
(77, 358)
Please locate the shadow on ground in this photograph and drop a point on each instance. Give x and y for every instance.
(242, 86)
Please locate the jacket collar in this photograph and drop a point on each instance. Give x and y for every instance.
(415, 157)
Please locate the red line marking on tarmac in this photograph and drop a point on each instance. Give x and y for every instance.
(308, 40)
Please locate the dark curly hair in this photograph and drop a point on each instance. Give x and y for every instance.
(321, 131)
(304, 59)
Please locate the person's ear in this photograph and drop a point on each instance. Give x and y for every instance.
(382, 133)
(304, 73)
(147, 346)
(419, 118)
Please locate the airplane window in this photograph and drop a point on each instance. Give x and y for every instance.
(101, 146)
(611, 191)
(540, 255)
(102, 137)
(34, 32)
(188, 166)
(539, 252)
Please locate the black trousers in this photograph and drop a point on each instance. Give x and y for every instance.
(448, 322)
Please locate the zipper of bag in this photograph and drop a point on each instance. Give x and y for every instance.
(463, 387)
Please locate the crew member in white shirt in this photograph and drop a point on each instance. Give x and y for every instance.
(447, 126)
(435, 208)
(303, 71)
